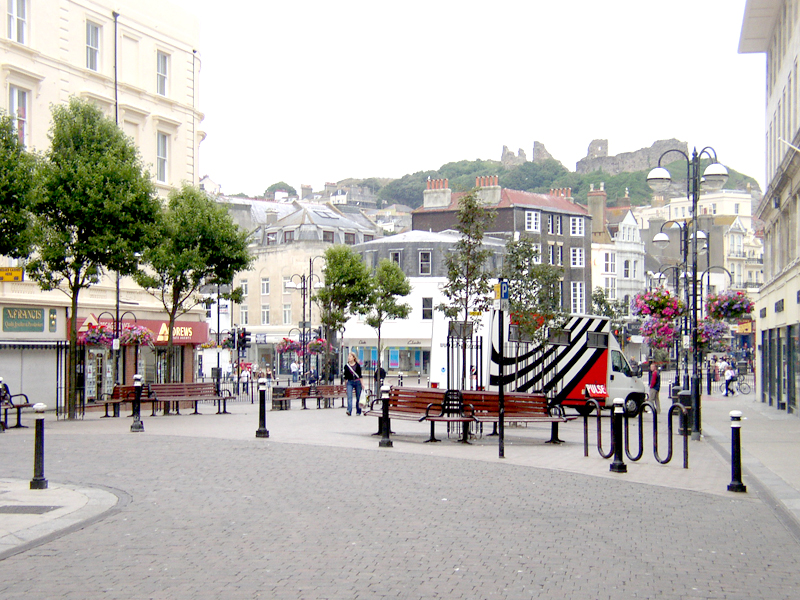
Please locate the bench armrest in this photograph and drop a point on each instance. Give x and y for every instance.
(11, 399)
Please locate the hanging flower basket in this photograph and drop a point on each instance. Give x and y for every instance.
(208, 344)
(729, 305)
(659, 304)
(660, 333)
(97, 335)
(711, 335)
(133, 335)
(319, 346)
(287, 345)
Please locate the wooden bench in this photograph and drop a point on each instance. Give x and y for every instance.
(451, 409)
(192, 392)
(297, 392)
(125, 393)
(326, 394)
(9, 403)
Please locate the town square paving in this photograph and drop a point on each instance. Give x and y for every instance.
(204, 510)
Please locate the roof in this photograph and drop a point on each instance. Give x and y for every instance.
(759, 20)
(513, 198)
(418, 235)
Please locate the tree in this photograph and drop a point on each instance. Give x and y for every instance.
(198, 243)
(16, 186)
(615, 310)
(94, 210)
(281, 186)
(345, 291)
(388, 284)
(468, 283)
(534, 290)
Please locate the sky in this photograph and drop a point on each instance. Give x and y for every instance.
(309, 92)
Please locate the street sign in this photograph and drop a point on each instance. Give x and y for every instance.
(12, 274)
(503, 290)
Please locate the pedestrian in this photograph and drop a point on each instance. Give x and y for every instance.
(246, 381)
(634, 366)
(655, 386)
(352, 373)
(728, 379)
(5, 393)
(269, 377)
(294, 368)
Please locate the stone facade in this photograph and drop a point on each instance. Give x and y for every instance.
(597, 158)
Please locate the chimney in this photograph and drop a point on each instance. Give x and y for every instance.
(437, 194)
(305, 191)
(489, 190)
(597, 208)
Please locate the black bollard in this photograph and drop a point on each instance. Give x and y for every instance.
(262, 431)
(736, 484)
(400, 380)
(39, 482)
(709, 378)
(137, 425)
(618, 466)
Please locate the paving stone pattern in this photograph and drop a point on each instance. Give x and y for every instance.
(221, 519)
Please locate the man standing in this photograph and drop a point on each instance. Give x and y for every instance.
(655, 386)
(294, 368)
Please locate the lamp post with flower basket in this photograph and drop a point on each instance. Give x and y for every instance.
(713, 178)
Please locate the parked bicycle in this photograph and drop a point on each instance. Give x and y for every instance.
(737, 385)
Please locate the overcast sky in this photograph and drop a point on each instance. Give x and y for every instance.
(311, 91)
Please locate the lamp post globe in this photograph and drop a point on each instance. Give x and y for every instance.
(659, 179)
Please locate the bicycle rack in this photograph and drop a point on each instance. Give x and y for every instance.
(675, 409)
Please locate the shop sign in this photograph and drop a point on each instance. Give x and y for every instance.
(12, 274)
(22, 319)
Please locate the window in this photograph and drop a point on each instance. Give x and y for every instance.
(635, 268)
(265, 314)
(288, 237)
(425, 263)
(427, 309)
(17, 27)
(287, 281)
(552, 254)
(368, 237)
(736, 208)
(576, 257)
(350, 239)
(558, 224)
(713, 209)
(272, 238)
(245, 287)
(243, 316)
(626, 269)
(265, 286)
(162, 66)
(533, 220)
(287, 314)
(18, 108)
(551, 226)
(611, 288)
(577, 297)
(610, 263)
(92, 46)
(576, 226)
(327, 237)
(162, 152)
(394, 256)
(537, 257)
(560, 255)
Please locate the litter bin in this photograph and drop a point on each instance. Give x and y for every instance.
(685, 398)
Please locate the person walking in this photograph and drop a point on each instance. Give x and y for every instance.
(294, 368)
(269, 377)
(352, 374)
(246, 380)
(728, 379)
(655, 386)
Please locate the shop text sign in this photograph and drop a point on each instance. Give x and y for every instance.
(23, 319)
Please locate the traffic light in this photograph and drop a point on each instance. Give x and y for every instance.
(232, 338)
(245, 341)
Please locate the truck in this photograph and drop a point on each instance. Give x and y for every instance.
(578, 361)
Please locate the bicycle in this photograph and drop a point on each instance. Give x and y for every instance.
(737, 385)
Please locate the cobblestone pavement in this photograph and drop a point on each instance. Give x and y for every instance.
(211, 518)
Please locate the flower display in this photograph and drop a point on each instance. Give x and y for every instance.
(660, 333)
(208, 344)
(659, 304)
(729, 304)
(287, 345)
(711, 335)
(97, 335)
(136, 334)
(318, 346)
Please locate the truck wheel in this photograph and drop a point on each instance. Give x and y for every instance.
(632, 407)
(585, 410)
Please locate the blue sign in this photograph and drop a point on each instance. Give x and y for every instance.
(503, 290)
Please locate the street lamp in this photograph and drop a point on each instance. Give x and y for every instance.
(305, 285)
(713, 178)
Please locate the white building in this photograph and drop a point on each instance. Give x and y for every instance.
(773, 27)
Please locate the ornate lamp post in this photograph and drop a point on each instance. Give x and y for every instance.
(713, 178)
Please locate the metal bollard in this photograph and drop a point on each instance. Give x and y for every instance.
(709, 379)
(618, 466)
(736, 484)
(262, 431)
(39, 482)
(400, 379)
(137, 425)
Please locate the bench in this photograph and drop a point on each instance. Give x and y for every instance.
(8, 403)
(452, 409)
(326, 393)
(192, 392)
(124, 393)
(298, 392)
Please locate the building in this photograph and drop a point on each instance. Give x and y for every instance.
(773, 27)
(561, 228)
(137, 60)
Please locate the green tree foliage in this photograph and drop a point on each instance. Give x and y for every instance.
(406, 190)
(615, 310)
(16, 191)
(281, 186)
(388, 284)
(345, 291)
(534, 290)
(198, 243)
(533, 177)
(94, 210)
